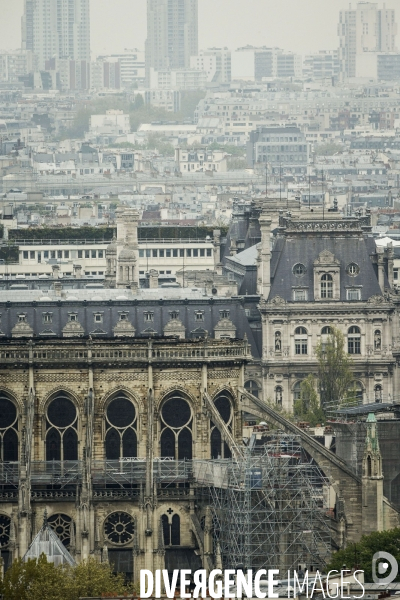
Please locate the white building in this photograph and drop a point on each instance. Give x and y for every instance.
(216, 62)
(56, 29)
(114, 122)
(365, 28)
(255, 64)
(131, 65)
(15, 64)
(180, 79)
(200, 160)
(172, 34)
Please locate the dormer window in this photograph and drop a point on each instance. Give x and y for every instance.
(199, 314)
(224, 314)
(148, 317)
(326, 286)
(174, 314)
(123, 316)
(22, 318)
(73, 317)
(47, 317)
(300, 295)
(353, 294)
(98, 317)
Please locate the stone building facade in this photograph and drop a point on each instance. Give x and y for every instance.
(101, 434)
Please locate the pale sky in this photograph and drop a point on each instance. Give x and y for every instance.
(298, 25)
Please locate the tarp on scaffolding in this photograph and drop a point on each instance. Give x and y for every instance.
(46, 542)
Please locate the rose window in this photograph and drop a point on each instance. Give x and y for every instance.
(119, 528)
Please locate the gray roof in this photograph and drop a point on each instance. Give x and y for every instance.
(247, 257)
(305, 249)
(109, 304)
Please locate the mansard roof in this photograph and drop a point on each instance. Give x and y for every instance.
(306, 249)
(98, 312)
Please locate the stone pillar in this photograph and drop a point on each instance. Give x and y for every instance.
(56, 271)
(390, 259)
(372, 481)
(265, 226)
(77, 270)
(381, 269)
(217, 246)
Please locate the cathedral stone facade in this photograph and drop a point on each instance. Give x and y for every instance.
(101, 434)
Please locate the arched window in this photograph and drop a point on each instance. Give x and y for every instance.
(354, 340)
(61, 435)
(121, 420)
(278, 395)
(297, 391)
(171, 526)
(326, 286)
(8, 430)
(252, 387)
(219, 448)
(176, 429)
(300, 341)
(327, 330)
(369, 466)
(378, 393)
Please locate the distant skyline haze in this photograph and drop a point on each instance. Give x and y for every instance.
(302, 26)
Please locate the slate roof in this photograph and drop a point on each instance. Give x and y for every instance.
(306, 249)
(111, 303)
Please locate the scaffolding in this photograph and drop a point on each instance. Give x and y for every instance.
(268, 508)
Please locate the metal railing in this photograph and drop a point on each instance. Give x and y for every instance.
(56, 472)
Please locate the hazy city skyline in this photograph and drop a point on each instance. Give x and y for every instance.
(298, 25)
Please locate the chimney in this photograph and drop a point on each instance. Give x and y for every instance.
(153, 281)
(57, 285)
(56, 271)
(265, 265)
(77, 269)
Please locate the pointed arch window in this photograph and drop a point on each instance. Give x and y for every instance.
(8, 430)
(219, 448)
(121, 434)
(171, 526)
(61, 429)
(176, 429)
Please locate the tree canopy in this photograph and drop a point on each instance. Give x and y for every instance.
(41, 580)
(360, 555)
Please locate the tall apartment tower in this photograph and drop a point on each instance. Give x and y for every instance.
(56, 29)
(172, 34)
(366, 28)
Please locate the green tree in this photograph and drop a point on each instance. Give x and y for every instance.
(138, 102)
(34, 580)
(328, 149)
(361, 554)
(91, 578)
(41, 580)
(308, 407)
(334, 369)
